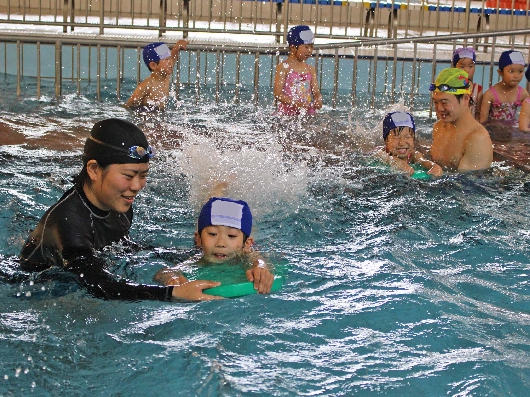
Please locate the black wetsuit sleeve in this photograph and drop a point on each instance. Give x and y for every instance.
(93, 276)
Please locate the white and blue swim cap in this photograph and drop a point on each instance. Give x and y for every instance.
(465, 52)
(224, 211)
(397, 119)
(155, 52)
(299, 35)
(511, 57)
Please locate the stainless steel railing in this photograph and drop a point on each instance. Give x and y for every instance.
(250, 66)
(329, 18)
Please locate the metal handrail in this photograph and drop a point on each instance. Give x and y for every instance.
(350, 51)
(131, 42)
(283, 14)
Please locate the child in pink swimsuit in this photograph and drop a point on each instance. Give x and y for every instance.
(524, 117)
(500, 102)
(295, 83)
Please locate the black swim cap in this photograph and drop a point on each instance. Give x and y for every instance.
(111, 141)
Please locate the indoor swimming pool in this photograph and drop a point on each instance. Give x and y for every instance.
(394, 286)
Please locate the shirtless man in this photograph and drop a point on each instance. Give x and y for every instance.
(459, 142)
(152, 93)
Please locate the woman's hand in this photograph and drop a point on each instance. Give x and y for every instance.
(192, 290)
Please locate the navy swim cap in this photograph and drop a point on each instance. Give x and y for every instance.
(155, 52)
(299, 35)
(527, 74)
(511, 57)
(397, 119)
(224, 211)
(111, 141)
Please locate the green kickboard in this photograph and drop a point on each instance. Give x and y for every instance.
(233, 280)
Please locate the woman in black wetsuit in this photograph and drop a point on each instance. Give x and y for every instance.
(96, 212)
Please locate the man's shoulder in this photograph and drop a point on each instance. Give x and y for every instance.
(477, 130)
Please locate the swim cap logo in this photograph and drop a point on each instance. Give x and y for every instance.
(163, 51)
(307, 36)
(402, 119)
(517, 58)
(227, 213)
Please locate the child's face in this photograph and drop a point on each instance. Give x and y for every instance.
(304, 51)
(164, 67)
(512, 74)
(221, 243)
(467, 65)
(400, 144)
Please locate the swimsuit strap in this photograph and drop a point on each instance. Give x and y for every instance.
(495, 95)
(519, 92)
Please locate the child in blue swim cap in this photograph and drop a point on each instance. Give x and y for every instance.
(501, 101)
(223, 234)
(399, 132)
(295, 83)
(152, 93)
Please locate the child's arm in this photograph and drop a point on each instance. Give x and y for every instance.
(137, 97)
(431, 167)
(396, 162)
(279, 81)
(179, 45)
(487, 99)
(317, 96)
(524, 117)
(260, 274)
(478, 105)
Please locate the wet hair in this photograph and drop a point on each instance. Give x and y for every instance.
(80, 179)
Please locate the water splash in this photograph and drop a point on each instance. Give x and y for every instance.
(262, 176)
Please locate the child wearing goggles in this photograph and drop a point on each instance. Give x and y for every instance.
(501, 102)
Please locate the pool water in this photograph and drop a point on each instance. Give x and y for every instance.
(394, 286)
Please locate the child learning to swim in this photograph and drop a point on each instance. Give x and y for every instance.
(224, 234)
(152, 93)
(399, 132)
(295, 82)
(524, 117)
(500, 102)
(464, 58)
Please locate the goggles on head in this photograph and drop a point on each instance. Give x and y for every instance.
(135, 152)
(447, 87)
